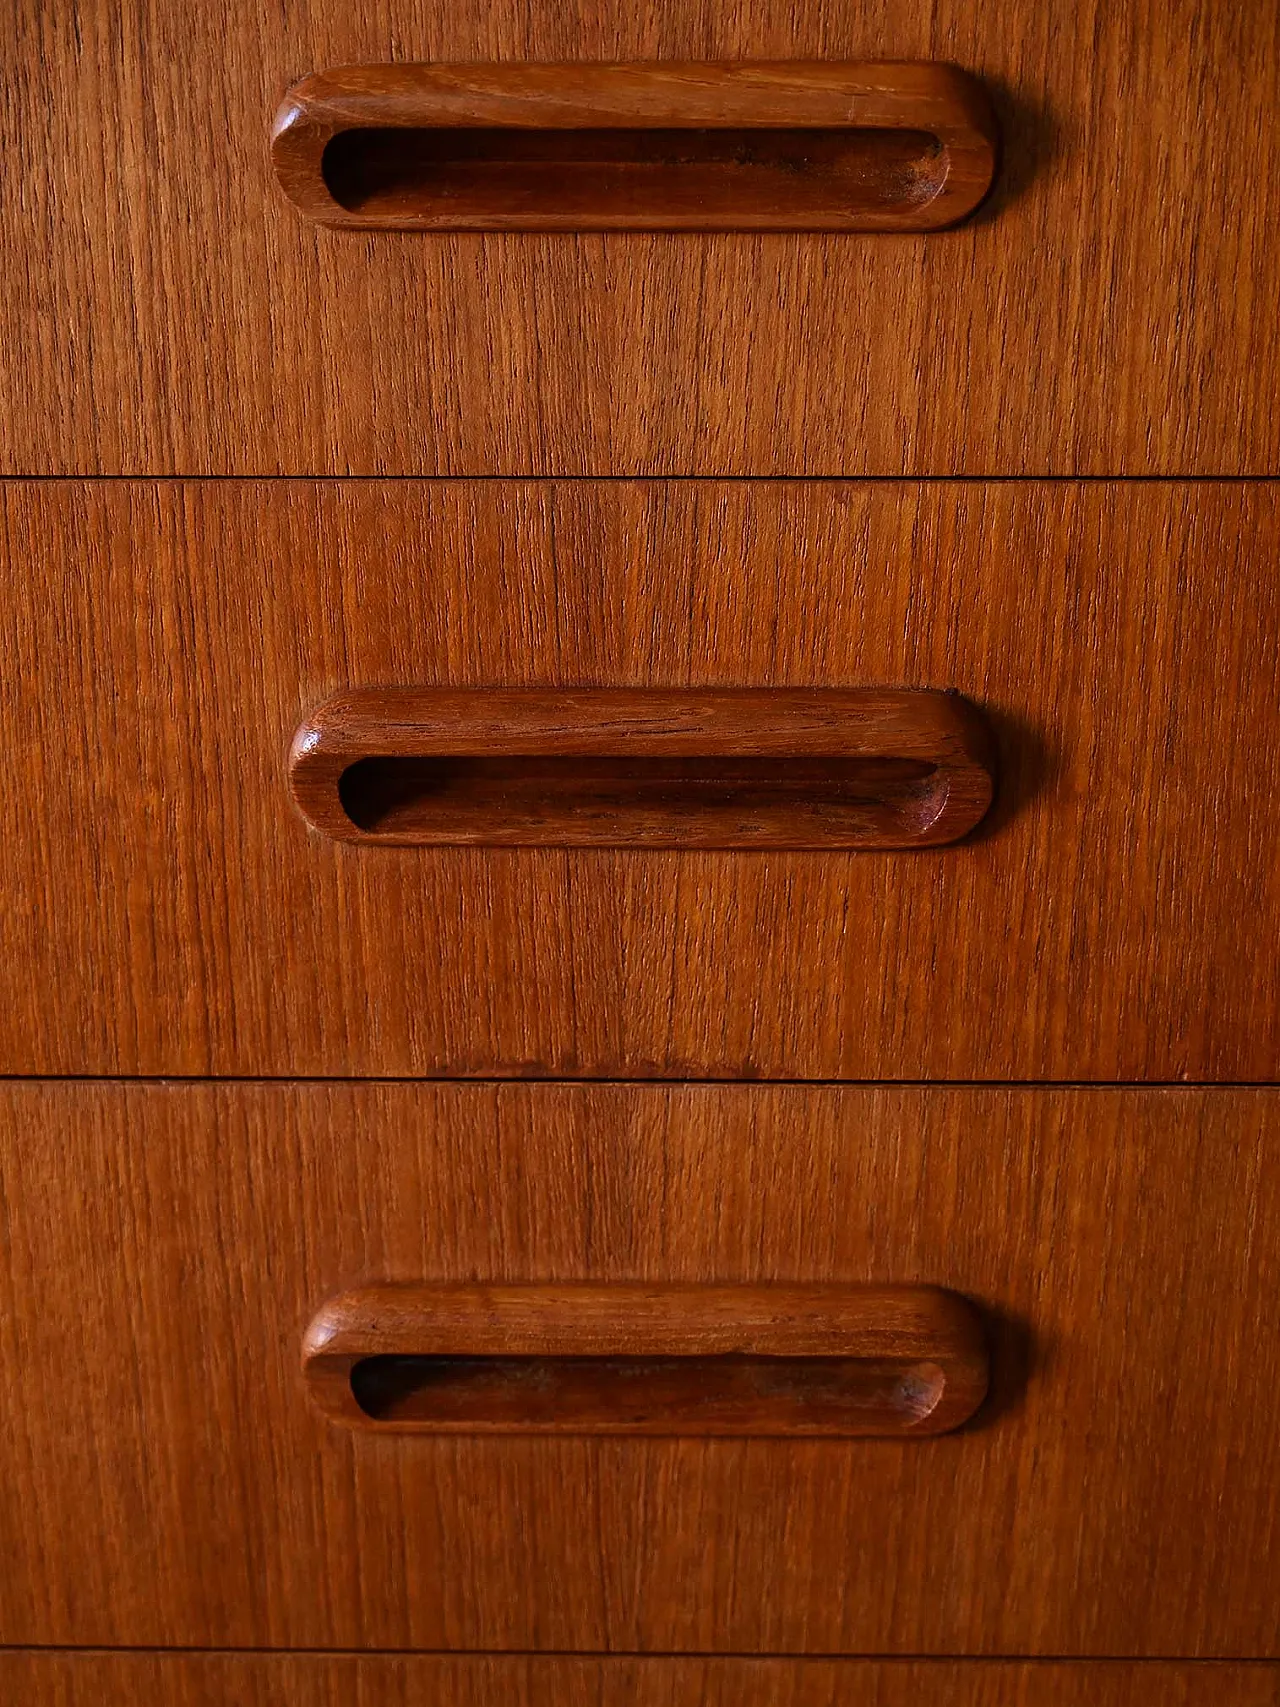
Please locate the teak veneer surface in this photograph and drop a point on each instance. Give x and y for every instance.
(166, 1246)
(1109, 311)
(168, 910)
(428, 1680)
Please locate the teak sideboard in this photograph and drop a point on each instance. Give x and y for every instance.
(639, 1026)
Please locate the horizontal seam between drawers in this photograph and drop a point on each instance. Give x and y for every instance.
(675, 1081)
(319, 479)
(87, 1650)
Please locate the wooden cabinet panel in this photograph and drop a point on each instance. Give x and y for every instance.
(1108, 312)
(398, 1680)
(168, 911)
(169, 1482)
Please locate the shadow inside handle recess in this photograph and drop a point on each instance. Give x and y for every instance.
(719, 1394)
(644, 802)
(779, 178)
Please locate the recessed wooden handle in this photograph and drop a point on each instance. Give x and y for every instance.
(645, 767)
(633, 1359)
(665, 146)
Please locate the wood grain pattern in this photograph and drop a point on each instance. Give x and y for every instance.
(664, 146)
(165, 1247)
(1111, 920)
(626, 1359)
(645, 767)
(1108, 313)
(397, 1680)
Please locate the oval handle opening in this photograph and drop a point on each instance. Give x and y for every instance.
(644, 1395)
(640, 179)
(643, 801)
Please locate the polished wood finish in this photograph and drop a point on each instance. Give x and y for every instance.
(654, 146)
(700, 244)
(804, 1361)
(166, 1246)
(645, 767)
(167, 910)
(1108, 312)
(431, 1680)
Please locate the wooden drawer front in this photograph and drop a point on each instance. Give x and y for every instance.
(168, 910)
(1108, 312)
(168, 1480)
(385, 1680)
